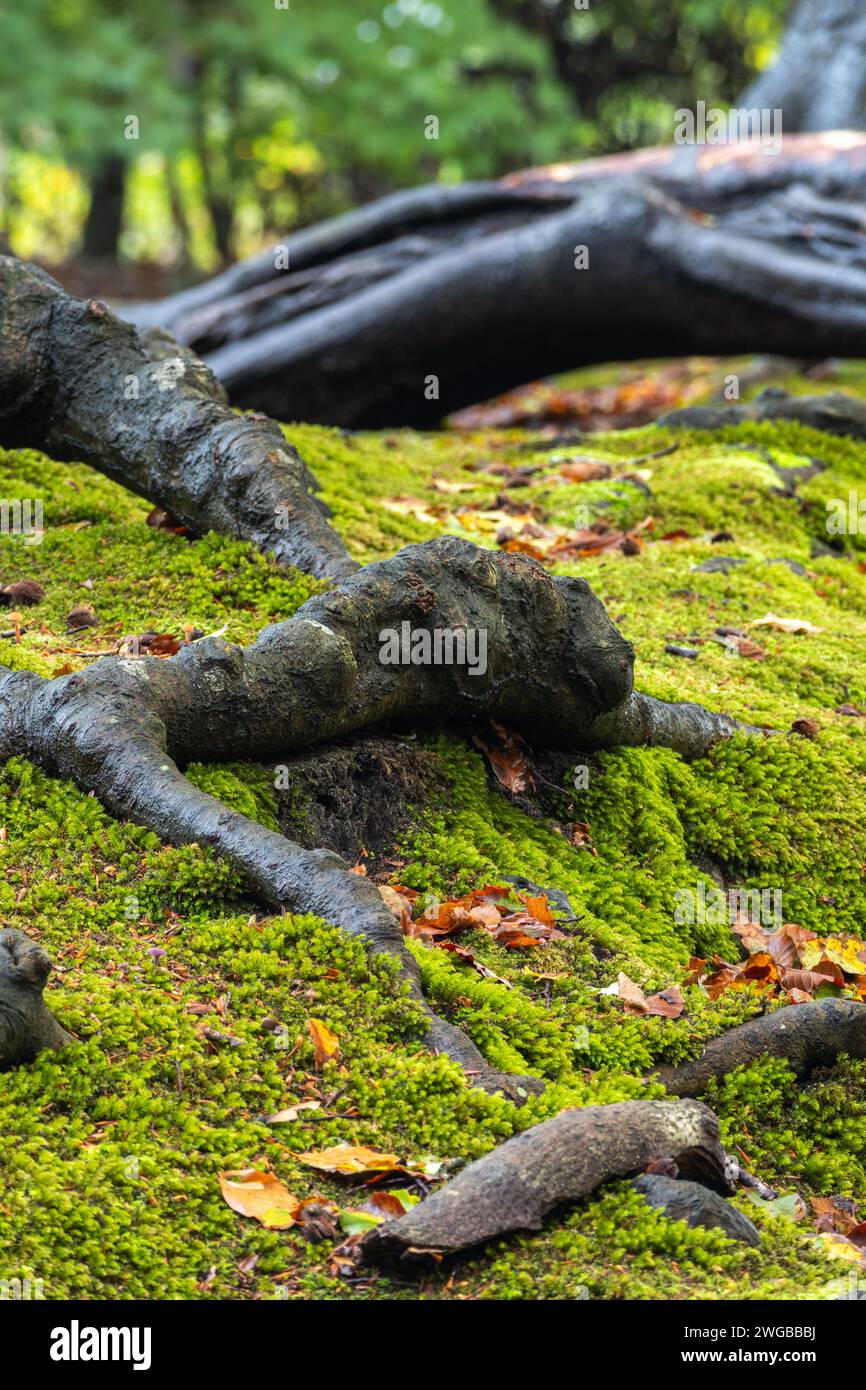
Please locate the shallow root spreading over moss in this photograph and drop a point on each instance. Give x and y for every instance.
(172, 982)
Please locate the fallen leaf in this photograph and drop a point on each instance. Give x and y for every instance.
(792, 625)
(285, 1117)
(326, 1044)
(253, 1192)
(353, 1160)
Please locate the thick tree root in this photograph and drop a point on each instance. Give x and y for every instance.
(515, 1186)
(124, 727)
(703, 249)
(81, 384)
(26, 1023)
(804, 1035)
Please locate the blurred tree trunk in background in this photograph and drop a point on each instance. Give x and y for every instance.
(819, 77)
(105, 217)
(592, 63)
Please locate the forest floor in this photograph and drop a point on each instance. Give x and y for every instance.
(171, 979)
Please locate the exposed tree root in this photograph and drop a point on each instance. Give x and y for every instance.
(804, 1035)
(832, 413)
(26, 1023)
(696, 1205)
(701, 249)
(515, 1186)
(81, 384)
(556, 665)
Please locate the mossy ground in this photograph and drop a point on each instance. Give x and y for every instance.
(110, 1150)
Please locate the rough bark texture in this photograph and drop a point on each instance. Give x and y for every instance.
(696, 1205)
(514, 1187)
(804, 1035)
(81, 384)
(819, 77)
(691, 249)
(26, 1023)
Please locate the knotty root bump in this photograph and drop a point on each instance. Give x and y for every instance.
(26, 1023)
(515, 1186)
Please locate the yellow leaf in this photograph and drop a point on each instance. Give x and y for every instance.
(327, 1045)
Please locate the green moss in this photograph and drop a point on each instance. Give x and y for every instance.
(111, 1149)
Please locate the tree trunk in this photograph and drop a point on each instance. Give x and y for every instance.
(819, 78)
(105, 216)
(433, 299)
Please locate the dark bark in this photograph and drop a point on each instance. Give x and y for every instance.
(806, 1036)
(819, 77)
(105, 215)
(691, 250)
(81, 384)
(696, 1205)
(26, 1024)
(515, 1186)
(832, 413)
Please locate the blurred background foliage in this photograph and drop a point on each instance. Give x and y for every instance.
(180, 134)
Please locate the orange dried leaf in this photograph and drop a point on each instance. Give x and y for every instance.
(327, 1045)
(258, 1194)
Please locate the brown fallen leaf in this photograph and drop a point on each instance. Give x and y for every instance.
(668, 1003)
(167, 521)
(506, 758)
(326, 1044)
(584, 470)
(258, 1194)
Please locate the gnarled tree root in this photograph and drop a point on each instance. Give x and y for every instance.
(556, 665)
(515, 1186)
(26, 1023)
(805, 1036)
(80, 384)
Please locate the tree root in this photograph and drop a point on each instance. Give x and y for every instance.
(124, 727)
(805, 1036)
(515, 1186)
(832, 413)
(26, 1023)
(701, 250)
(696, 1205)
(81, 384)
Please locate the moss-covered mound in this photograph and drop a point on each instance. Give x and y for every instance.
(172, 981)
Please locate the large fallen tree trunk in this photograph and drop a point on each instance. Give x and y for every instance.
(433, 299)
